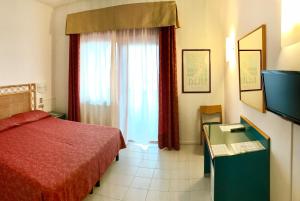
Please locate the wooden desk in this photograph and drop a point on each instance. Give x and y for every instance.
(237, 176)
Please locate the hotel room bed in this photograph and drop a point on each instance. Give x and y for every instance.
(47, 159)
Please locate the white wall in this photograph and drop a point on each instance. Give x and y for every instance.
(242, 17)
(296, 164)
(25, 43)
(200, 29)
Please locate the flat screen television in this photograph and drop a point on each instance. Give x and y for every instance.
(282, 93)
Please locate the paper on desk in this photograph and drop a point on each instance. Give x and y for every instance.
(220, 150)
(250, 146)
(227, 128)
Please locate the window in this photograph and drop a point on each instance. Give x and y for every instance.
(119, 81)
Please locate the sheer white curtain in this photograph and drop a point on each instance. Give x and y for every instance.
(119, 81)
(95, 78)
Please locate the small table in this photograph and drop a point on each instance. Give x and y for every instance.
(58, 115)
(236, 175)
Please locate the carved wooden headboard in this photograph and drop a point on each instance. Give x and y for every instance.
(15, 99)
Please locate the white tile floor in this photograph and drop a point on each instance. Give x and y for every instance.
(145, 173)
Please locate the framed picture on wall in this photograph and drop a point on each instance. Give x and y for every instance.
(196, 71)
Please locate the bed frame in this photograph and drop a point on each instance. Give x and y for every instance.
(16, 99)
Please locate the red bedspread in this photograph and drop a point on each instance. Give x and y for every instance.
(52, 159)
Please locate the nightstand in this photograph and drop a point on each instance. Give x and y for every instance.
(58, 115)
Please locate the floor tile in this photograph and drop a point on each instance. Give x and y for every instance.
(200, 195)
(145, 172)
(137, 148)
(99, 198)
(180, 196)
(153, 150)
(141, 182)
(183, 157)
(130, 171)
(151, 157)
(135, 195)
(200, 184)
(196, 174)
(179, 174)
(131, 154)
(196, 170)
(128, 162)
(112, 191)
(167, 165)
(161, 174)
(160, 185)
(116, 179)
(158, 196)
(179, 185)
(148, 164)
(196, 163)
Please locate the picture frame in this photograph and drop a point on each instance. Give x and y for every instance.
(196, 71)
(250, 67)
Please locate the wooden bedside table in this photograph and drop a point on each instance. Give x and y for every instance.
(58, 115)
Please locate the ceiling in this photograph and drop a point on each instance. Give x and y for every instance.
(55, 3)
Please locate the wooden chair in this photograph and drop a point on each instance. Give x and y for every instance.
(209, 110)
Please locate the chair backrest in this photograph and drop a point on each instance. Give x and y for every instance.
(210, 110)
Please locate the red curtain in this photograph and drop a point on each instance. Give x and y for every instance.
(74, 81)
(168, 126)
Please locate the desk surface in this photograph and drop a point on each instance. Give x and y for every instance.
(217, 137)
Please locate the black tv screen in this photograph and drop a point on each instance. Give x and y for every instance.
(282, 93)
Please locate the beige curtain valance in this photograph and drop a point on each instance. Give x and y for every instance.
(130, 16)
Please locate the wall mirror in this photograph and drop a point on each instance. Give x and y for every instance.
(252, 60)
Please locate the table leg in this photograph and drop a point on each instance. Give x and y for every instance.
(207, 159)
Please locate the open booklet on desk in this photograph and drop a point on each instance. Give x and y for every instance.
(220, 150)
(236, 148)
(232, 127)
(243, 147)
